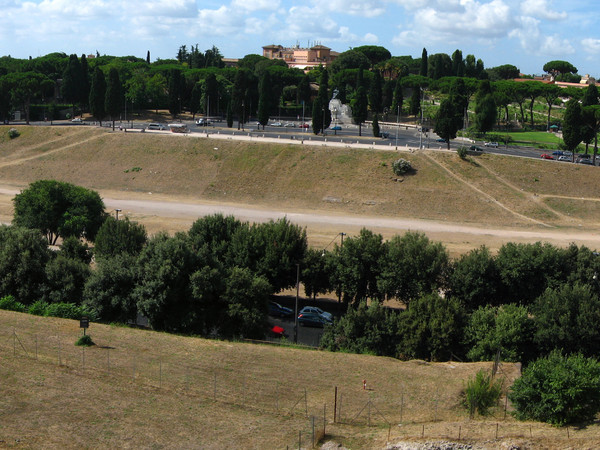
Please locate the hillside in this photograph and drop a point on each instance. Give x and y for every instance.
(486, 191)
(141, 389)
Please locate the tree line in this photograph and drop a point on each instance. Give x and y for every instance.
(216, 279)
(368, 78)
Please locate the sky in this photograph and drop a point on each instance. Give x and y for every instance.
(524, 33)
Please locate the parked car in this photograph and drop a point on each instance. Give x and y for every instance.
(303, 125)
(316, 310)
(440, 140)
(312, 320)
(276, 124)
(567, 153)
(586, 161)
(564, 158)
(156, 126)
(474, 148)
(491, 144)
(557, 153)
(336, 128)
(77, 120)
(289, 124)
(546, 156)
(276, 310)
(203, 122)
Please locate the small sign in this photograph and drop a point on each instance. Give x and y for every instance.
(84, 322)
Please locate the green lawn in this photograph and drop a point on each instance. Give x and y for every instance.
(534, 137)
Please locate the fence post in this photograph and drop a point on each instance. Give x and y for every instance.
(459, 430)
(335, 405)
(305, 403)
(496, 430)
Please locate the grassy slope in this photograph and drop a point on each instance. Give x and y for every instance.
(95, 400)
(310, 178)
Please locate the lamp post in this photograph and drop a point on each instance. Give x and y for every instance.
(296, 305)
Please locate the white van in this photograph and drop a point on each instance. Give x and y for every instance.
(156, 126)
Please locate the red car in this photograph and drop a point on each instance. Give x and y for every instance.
(546, 156)
(303, 125)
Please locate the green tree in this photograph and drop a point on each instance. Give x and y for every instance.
(558, 389)
(557, 68)
(113, 103)
(398, 98)
(431, 329)
(264, 99)
(238, 96)
(108, 291)
(23, 257)
(358, 266)
(375, 53)
(572, 129)
(424, 64)
(98, 95)
(566, 319)
(359, 104)
(323, 96)
(314, 274)
(216, 233)
(120, 236)
(365, 329)
(376, 131)
(163, 293)
(508, 329)
(474, 279)
(72, 84)
(176, 87)
(485, 108)
(375, 93)
(59, 209)
(448, 121)
(550, 92)
(413, 266)
(73, 248)
(66, 280)
(317, 116)
(350, 59)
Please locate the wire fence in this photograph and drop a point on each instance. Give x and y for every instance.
(412, 413)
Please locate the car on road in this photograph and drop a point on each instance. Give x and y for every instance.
(586, 161)
(475, 148)
(276, 310)
(491, 144)
(312, 320)
(289, 124)
(384, 135)
(564, 158)
(303, 125)
(276, 124)
(557, 153)
(316, 310)
(567, 153)
(440, 140)
(203, 122)
(336, 128)
(546, 156)
(77, 120)
(156, 126)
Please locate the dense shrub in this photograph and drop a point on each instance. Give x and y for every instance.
(462, 152)
(66, 311)
(13, 133)
(401, 166)
(482, 393)
(9, 303)
(85, 341)
(558, 389)
(38, 308)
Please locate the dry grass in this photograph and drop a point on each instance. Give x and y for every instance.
(145, 389)
(487, 191)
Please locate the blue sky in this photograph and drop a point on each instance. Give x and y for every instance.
(526, 33)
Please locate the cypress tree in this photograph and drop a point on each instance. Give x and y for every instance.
(360, 104)
(175, 91)
(98, 95)
(375, 93)
(113, 100)
(423, 71)
(324, 98)
(264, 98)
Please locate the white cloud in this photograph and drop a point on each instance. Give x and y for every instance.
(255, 5)
(591, 45)
(536, 43)
(541, 9)
(364, 8)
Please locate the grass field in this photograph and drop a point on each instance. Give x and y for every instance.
(143, 389)
(483, 191)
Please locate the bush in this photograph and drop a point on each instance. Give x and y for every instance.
(38, 308)
(9, 303)
(482, 393)
(85, 341)
(401, 166)
(558, 389)
(66, 311)
(13, 133)
(462, 152)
